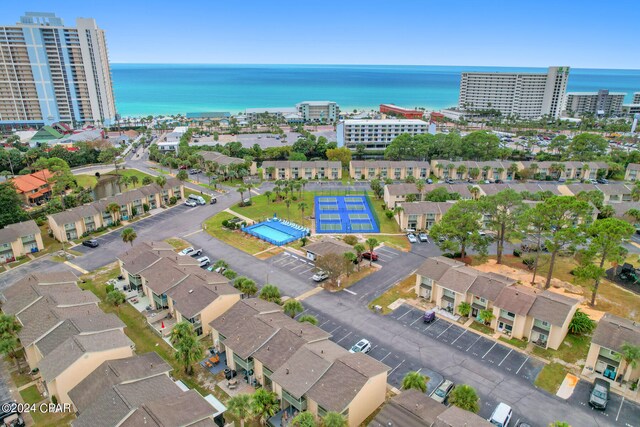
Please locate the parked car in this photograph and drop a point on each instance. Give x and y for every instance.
(501, 415)
(190, 251)
(412, 238)
(429, 316)
(429, 181)
(448, 181)
(92, 243)
(423, 237)
(602, 181)
(199, 200)
(442, 391)
(599, 394)
(370, 255)
(218, 270)
(362, 346)
(204, 261)
(213, 200)
(190, 203)
(320, 276)
(194, 171)
(499, 181)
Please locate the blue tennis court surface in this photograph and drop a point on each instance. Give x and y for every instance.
(344, 214)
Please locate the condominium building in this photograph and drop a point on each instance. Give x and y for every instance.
(525, 95)
(53, 73)
(636, 97)
(370, 169)
(312, 169)
(256, 114)
(376, 134)
(318, 111)
(599, 103)
(400, 111)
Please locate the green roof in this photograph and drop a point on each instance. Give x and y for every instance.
(46, 133)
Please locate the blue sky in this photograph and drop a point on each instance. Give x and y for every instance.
(584, 34)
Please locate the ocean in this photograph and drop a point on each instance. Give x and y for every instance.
(143, 89)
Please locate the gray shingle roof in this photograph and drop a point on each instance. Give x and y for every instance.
(458, 279)
(456, 417)
(193, 295)
(435, 267)
(14, 231)
(181, 410)
(298, 374)
(517, 299)
(613, 331)
(325, 247)
(422, 208)
(552, 307)
(411, 408)
(277, 350)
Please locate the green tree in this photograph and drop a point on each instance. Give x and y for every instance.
(11, 203)
(464, 308)
(134, 180)
(146, 180)
(161, 181)
(605, 244)
(308, 318)
(559, 424)
(504, 210)
(465, 397)
(304, 419)
(188, 348)
(334, 419)
(480, 145)
(587, 147)
(371, 243)
(249, 288)
(415, 380)
(342, 155)
(109, 155)
(301, 207)
(459, 229)
(240, 407)
(116, 297)
(114, 210)
(581, 323)
(288, 202)
(128, 235)
(10, 327)
(349, 260)
(292, 307)
(486, 316)
(359, 248)
(264, 405)
(630, 355)
(182, 175)
(270, 293)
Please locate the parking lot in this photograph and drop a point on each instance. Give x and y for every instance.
(619, 411)
(294, 264)
(511, 361)
(386, 255)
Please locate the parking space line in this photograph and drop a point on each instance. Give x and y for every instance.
(298, 266)
(343, 337)
(324, 323)
(510, 350)
(339, 326)
(397, 366)
(525, 361)
(432, 323)
(404, 314)
(485, 355)
(415, 321)
(620, 408)
(450, 325)
(477, 339)
(454, 341)
(385, 357)
(300, 314)
(307, 270)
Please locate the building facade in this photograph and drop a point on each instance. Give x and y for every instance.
(53, 73)
(404, 112)
(318, 111)
(524, 95)
(286, 169)
(376, 134)
(20, 239)
(371, 169)
(599, 103)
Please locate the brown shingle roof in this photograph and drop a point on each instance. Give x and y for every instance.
(411, 408)
(421, 208)
(458, 279)
(517, 299)
(277, 350)
(193, 295)
(298, 374)
(185, 409)
(456, 417)
(435, 267)
(489, 286)
(613, 331)
(402, 189)
(552, 307)
(328, 247)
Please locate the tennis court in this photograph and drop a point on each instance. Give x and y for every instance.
(349, 214)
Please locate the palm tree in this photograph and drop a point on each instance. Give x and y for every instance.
(264, 405)
(268, 195)
(499, 171)
(474, 172)
(302, 206)
(415, 380)
(397, 210)
(359, 248)
(249, 186)
(114, 210)
(161, 181)
(349, 259)
(241, 190)
(188, 348)
(240, 407)
(270, 293)
(486, 316)
(125, 180)
(461, 170)
(304, 419)
(630, 354)
(134, 180)
(465, 397)
(334, 419)
(635, 192)
(371, 244)
(475, 191)
(513, 168)
(9, 342)
(292, 307)
(287, 202)
(308, 318)
(303, 182)
(128, 235)
(420, 187)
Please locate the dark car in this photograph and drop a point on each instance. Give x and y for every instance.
(92, 243)
(602, 181)
(599, 394)
(213, 200)
(429, 316)
(370, 255)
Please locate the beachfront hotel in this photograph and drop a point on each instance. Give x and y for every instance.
(376, 134)
(599, 103)
(524, 95)
(318, 111)
(53, 73)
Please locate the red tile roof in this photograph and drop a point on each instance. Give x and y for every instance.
(28, 183)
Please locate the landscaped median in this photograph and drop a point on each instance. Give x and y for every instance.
(404, 289)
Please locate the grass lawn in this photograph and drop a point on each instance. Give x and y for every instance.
(261, 209)
(132, 172)
(356, 276)
(177, 243)
(235, 238)
(188, 192)
(514, 342)
(481, 328)
(404, 289)
(86, 181)
(31, 394)
(162, 171)
(397, 242)
(20, 379)
(550, 377)
(574, 348)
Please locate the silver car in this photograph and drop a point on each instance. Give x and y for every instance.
(440, 394)
(362, 346)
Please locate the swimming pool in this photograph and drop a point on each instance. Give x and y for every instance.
(271, 233)
(277, 231)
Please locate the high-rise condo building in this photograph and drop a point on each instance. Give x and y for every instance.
(636, 97)
(600, 103)
(318, 111)
(376, 134)
(523, 95)
(52, 73)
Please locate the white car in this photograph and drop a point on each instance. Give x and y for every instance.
(501, 415)
(423, 237)
(190, 251)
(320, 276)
(204, 261)
(362, 346)
(412, 238)
(190, 203)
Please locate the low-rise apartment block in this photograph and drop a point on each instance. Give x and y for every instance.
(136, 391)
(492, 170)
(318, 111)
(422, 215)
(79, 221)
(298, 362)
(225, 161)
(286, 169)
(613, 193)
(176, 288)
(517, 311)
(20, 239)
(398, 193)
(376, 134)
(633, 172)
(64, 333)
(603, 359)
(598, 103)
(567, 170)
(382, 169)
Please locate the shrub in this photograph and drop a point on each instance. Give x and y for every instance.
(388, 214)
(40, 221)
(146, 207)
(350, 239)
(109, 288)
(529, 262)
(172, 200)
(362, 176)
(453, 255)
(517, 253)
(581, 324)
(294, 198)
(225, 223)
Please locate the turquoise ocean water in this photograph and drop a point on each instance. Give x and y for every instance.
(143, 89)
